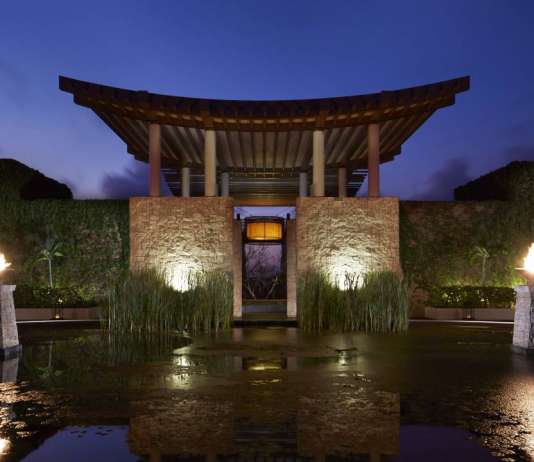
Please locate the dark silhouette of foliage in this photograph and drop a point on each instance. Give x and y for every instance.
(18, 181)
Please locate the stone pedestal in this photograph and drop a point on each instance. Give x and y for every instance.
(9, 337)
(523, 340)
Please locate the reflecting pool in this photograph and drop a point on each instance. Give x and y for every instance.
(441, 392)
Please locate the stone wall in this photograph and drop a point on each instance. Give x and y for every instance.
(347, 235)
(523, 339)
(181, 235)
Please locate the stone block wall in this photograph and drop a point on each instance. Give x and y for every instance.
(181, 234)
(523, 339)
(347, 235)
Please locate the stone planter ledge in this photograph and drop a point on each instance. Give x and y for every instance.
(476, 314)
(47, 314)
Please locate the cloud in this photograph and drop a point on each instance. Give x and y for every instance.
(441, 184)
(133, 181)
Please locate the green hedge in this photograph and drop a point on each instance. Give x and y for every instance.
(30, 297)
(94, 236)
(438, 239)
(472, 297)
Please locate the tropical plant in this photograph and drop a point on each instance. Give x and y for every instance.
(480, 253)
(51, 249)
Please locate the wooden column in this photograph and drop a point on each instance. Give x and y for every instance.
(303, 184)
(154, 156)
(373, 160)
(186, 182)
(342, 181)
(210, 164)
(225, 184)
(318, 163)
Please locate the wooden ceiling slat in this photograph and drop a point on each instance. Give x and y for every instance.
(403, 134)
(171, 145)
(291, 145)
(276, 143)
(296, 153)
(119, 132)
(281, 149)
(235, 146)
(339, 144)
(223, 137)
(181, 132)
(304, 154)
(351, 145)
(387, 140)
(172, 133)
(245, 140)
(138, 133)
(270, 151)
(257, 149)
(197, 135)
(331, 136)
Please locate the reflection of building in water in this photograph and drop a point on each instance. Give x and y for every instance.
(349, 425)
(271, 418)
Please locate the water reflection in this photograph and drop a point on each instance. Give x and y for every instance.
(278, 393)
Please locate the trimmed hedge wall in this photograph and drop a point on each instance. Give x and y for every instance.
(45, 297)
(94, 236)
(472, 297)
(437, 240)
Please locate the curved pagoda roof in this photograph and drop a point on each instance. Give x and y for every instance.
(266, 140)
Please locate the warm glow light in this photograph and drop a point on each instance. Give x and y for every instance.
(264, 231)
(4, 445)
(528, 262)
(345, 269)
(179, 274)
(3, 263)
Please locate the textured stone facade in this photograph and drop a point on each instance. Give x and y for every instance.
(347, 235)
(523, 340)
(237, 263)
(181, 234)
(9, 337)
(291, 271)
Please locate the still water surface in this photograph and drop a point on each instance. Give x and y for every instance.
(438, 393)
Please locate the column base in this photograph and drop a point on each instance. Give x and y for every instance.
(10, 352)
(529, 352)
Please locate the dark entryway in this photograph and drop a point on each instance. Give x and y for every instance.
(264, 267)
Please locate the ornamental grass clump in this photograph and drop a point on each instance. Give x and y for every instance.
(143, 302)
(375, 303)
(208, 303)
(381, 304)
(319, 304)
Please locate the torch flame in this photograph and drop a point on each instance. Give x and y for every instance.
(528, 262)
(3, 263)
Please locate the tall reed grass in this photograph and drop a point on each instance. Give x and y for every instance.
(375, 302)
(143, 302)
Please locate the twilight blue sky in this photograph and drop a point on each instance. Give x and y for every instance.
(262, 50)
